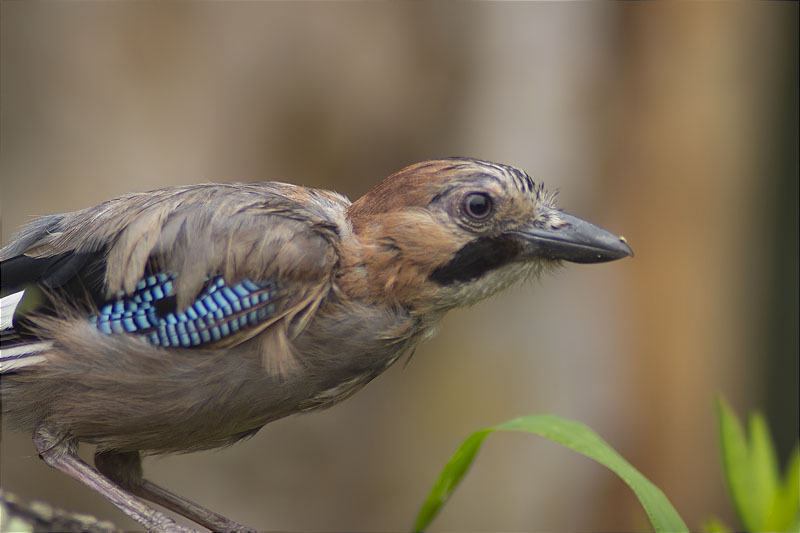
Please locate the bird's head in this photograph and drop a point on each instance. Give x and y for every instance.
(451, 232)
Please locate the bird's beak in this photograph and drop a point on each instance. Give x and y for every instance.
(577, 241)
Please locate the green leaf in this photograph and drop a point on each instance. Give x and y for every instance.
(786, 511)
(762, 500)
(573, 435)
(736, 466)
(764, 473)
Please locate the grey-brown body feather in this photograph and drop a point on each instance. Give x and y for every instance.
(133, 397)
(122, 393)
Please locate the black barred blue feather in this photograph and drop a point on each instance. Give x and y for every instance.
(218, 311)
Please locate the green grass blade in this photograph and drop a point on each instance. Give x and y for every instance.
(449, 479)
(786, 514)
(762, 499)
(736, 466)
(573, 435)
(765, 474)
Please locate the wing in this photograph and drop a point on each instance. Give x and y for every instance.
(201, 266)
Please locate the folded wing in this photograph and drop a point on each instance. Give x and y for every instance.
(199, 266)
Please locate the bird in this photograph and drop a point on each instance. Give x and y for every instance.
(187, 318)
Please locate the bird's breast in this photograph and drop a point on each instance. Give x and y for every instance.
(349, 343)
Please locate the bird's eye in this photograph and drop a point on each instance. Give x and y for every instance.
(478, 205)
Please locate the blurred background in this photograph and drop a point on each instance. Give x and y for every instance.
(673, 124)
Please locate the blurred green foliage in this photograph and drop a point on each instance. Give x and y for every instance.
(764, 499)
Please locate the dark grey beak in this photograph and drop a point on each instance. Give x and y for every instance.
(577, 241)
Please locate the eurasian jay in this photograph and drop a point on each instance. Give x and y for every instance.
(187, 318)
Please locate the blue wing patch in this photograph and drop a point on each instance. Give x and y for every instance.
(220, 310)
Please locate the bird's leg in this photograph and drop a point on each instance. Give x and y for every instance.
(126, 469)
(60, 454)
(189, 509)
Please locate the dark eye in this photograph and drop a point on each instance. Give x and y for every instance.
(478, 205)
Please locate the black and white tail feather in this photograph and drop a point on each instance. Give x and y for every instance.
(15, 351)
